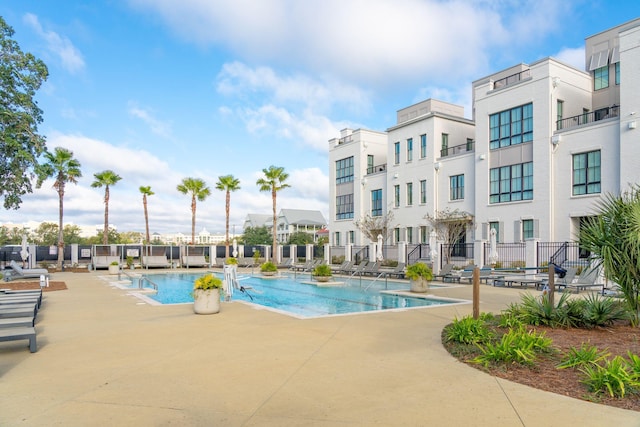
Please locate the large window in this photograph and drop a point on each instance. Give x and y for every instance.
(396, 234)
(511, 127)
(409, 234)
(409, 149)
(444, 147)
(344, 206)
(396, 196)
(424, 238)
(423, 146)
(423, 192)
(511, 183)
(396, 153)
(370, 163)
(527, 229)
(617, 73)
(495, 225)
(344, 170)
(586, 173)
(601, 78)
(456, 187)
(376, 202)
(336, 238)
(409, 193)
(352, 237)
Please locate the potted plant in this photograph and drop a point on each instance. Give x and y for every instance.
(206, 294)
(419, 275)
(114, 267)
(130, 262)
(322, 273)
(231, 261)
(268, 268)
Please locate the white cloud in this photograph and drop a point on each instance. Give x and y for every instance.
(157, 126)
(572, 56)
(60, 46)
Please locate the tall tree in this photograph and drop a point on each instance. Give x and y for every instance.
(146, 191)
(273, 181)
(21, 75)
(450, 226)
(227, 183)
(198, 189)
(62, 166)
(372, 226)
(105, 179)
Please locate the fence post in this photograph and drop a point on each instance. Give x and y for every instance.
(531, 253)
(348, 252)
(478, 253)
(327, 253)
(74, 254)
(402, 252)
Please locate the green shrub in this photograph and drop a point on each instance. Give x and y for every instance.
(417, 271)
(322, 270)
(614, 377)
(587, 354)
(468, 331)
(518, 264)
(268, 267)
(337, 259)
(602, 311)
(516, 346)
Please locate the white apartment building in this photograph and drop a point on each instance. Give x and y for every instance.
(546, 142)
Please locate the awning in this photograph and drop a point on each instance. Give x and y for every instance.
(615, 55)
(599, 60)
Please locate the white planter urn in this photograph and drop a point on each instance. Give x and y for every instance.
(206, 301)
(322, 279)
(419, 285)
(114, 269)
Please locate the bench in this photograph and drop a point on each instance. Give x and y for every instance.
(20, 333)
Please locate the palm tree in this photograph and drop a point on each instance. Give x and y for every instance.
(146, 191)
(198, 190)
(105, 179)
(61, 165)
(228, 184)
(273, 181)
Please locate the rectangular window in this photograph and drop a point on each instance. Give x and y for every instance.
(527, 229)
(336, 238)
(409, 149)
(369, 163)
(559, 110)
(456, 187)
(617, 73)
(511, 127)
(601, 78)
(344, 206)
(444, 148)
(495, 226)
(396, 196)
(409, 234)
(396, 234)
(396, 153)
(424, 238)
(586, 173)
(352, 237)
(423, 192)
(423, 146)
(511, 183)
(376, 202)
(344, 170)
(409, 193)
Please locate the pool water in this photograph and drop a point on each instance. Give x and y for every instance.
(292, 296)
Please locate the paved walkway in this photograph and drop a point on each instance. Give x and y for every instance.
(106, 359)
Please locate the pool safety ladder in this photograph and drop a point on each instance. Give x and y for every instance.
(232, 282)
(149, 281)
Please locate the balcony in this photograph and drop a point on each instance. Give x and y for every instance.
(458, 149)
(512, 79)
(586, 118)
(376, 169)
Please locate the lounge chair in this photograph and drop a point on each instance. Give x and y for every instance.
(151, 261)
(445, 272)
(18, 310)
(338, 268)
(20, 333)
(358, 269)
(104, 261)
(288, 263)
(372, 269)
(18, 272)
(397, 272)
(347, 269)
(485, 274)
(586, 279)
(194, 261)
(13, 322)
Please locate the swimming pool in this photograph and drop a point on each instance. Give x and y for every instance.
(295, 297)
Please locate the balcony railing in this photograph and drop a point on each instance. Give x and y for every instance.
(458, 149)
(585, 118)
(509, 80)
(377, 168)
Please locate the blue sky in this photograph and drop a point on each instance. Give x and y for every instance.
(158, 90)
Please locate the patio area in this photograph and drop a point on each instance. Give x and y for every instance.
(106, 358)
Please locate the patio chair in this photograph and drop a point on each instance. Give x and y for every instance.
(371, 269)
(586, 279)
(397, 272)
(155, 261)
(18, 272)
(445, 272)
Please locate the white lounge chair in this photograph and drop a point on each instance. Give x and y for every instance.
(18, 272)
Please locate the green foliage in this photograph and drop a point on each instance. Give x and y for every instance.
(129, 261)
(198, 190)
(516, 346)
(602, 311)
(374, 226)
(273, 181)
(468, 331)
(208, 281)
(231, 261)
(587, 354)
(337, 259)
(509, 320)
(613, 376)
(417, 271)
(300, 238)
(257, 236)
(518, 264)
(322, 270)
(268, 267)
(106, 179)
(21, 75)
(613, 239)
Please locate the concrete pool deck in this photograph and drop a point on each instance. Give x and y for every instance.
(106, 358)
